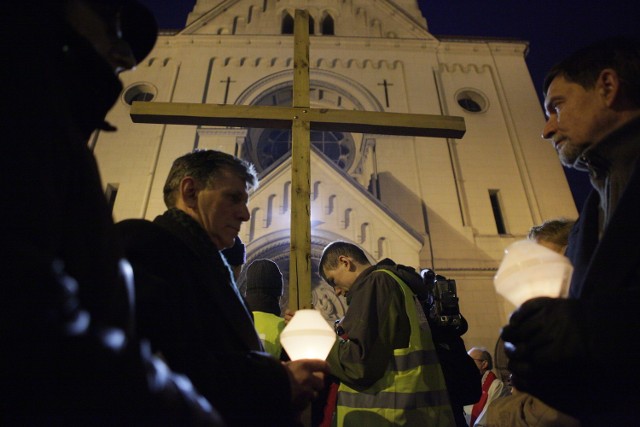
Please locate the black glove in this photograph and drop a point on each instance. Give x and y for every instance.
(547, 346)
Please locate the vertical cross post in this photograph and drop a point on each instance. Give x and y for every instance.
(300, 251)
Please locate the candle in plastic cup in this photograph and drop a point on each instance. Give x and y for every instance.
(307, 336)
(529, 270)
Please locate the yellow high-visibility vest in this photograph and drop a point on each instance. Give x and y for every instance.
(269, 327)
(412, 392)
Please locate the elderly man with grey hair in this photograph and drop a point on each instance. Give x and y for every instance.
(188, 303)
(492, 386)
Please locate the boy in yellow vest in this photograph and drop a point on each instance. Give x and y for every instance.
(386, 360)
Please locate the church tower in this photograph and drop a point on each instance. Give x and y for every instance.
(446, 204)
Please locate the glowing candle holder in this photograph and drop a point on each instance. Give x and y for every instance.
(307, 336)
(529, 270)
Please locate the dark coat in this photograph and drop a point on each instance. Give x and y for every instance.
(606, 280)
(601, 387)
(188, 309)
(64, 314)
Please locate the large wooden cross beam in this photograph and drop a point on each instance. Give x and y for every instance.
(302, 119)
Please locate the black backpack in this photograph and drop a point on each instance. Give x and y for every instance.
(461, 374)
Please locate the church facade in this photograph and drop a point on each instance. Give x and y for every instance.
(451, 205)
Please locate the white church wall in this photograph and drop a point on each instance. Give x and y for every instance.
(539, 160)
(482, 308)
(485, 155)
(129, 156)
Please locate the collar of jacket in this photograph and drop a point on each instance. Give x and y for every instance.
(188, 230)
(620, 147)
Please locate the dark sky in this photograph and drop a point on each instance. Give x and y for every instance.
(553, 29)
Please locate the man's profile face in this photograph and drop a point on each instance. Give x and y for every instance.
(574, 118)
(222, 209)
(340, 278)
(476, 355)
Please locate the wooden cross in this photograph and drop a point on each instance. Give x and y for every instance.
(302, 119)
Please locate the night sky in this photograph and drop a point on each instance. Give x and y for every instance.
(553, 29)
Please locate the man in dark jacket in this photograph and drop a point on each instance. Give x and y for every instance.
(575, 354)
(68, 355)
(189, 306)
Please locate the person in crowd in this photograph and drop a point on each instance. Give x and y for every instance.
(521, 409)
(188, 303)
(561, 350)
(69, 356)
(552, 234)
(264, 289)
(385, 359)
(235, 256)
(492, 386)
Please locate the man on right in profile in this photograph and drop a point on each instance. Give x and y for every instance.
(562, 350)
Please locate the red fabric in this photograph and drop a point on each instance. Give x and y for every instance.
(330, 406)
(479, 406)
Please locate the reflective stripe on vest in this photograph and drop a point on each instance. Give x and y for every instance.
(412, 391)
(269, 327)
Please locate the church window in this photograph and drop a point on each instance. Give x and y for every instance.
(496, 207)
(327, 25)
(287, 23)
(364, 231)
(347, 218)
(235, 25)
(312, 25)
(139, 92)
(266, 147)
(276, 143)
(253, 224)
(316, 190)
(285, 197)
(269, 219)
(331, 204)
(472, 101)
(382, 248)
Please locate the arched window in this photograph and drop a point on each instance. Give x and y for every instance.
(287, 24)
(266, 147)
(327, 25)
(140, 92)
(275, 143)
(312, 25)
